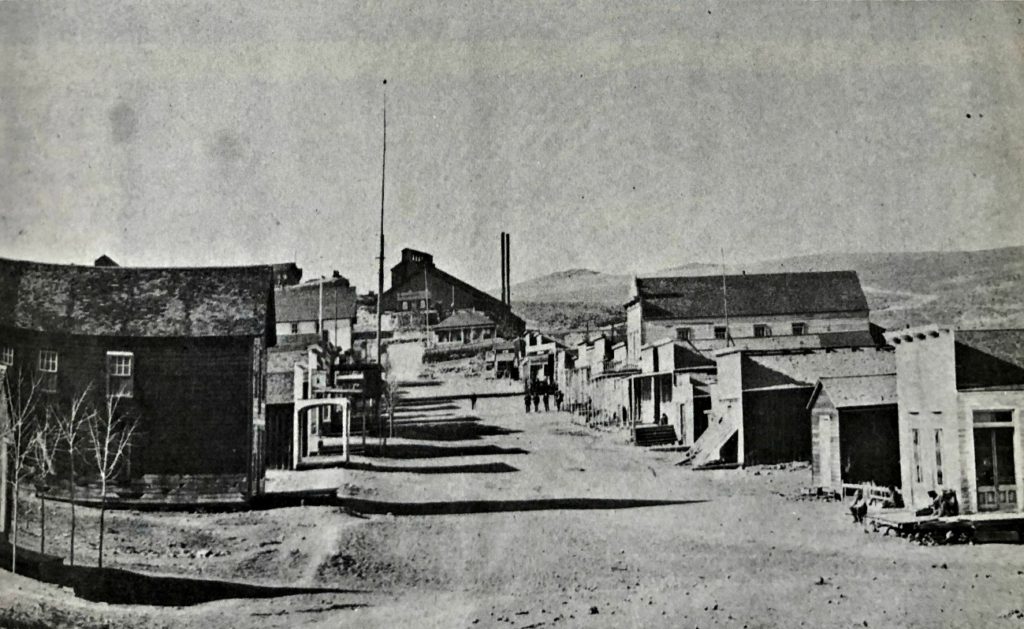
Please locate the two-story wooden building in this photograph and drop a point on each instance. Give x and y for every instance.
(184, 351)
(762, 311)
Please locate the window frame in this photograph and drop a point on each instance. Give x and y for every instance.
(799, 328)
(684, 333)
(724, 329)
(7, 355)
(294, 327)
(56, 361)
(113, 362)
(762, 331)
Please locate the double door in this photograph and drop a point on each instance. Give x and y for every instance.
(996, 468)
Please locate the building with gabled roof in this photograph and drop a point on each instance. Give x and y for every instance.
(755, 311)
(183, 351)
(326, 306)
(422, 295)
(464, 326)
(855, 432)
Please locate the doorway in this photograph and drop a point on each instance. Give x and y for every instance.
(994, 462)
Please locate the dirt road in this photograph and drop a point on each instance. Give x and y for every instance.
(496, 518)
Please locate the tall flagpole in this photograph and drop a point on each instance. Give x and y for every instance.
(380, 272)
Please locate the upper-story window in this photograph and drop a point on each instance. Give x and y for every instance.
(405, 305)
(762, 331)
(684, 334)
(295, 327)
(799, 329)
(6, 356)
(120, 374)
(721, 332)
(423, 304)
(47, 367)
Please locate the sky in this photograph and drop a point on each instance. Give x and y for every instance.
(620, 137)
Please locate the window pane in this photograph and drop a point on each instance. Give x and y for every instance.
(986, 417)
(7, 356)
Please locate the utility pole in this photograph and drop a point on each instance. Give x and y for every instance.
(380, 258)
(725, 304)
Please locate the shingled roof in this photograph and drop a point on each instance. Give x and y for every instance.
(136, 302)
(464, 319)
(751, 295)
(302, 302)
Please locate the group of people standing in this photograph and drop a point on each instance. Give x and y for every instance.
(538, 391)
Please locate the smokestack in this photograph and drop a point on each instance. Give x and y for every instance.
(504, 287)
(508, 269)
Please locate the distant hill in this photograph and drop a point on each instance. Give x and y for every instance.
(982, 289)
(575, 285)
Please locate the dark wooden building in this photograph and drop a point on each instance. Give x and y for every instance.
(423, 295)
(184, 350)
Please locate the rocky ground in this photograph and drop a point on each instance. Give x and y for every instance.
(497, 518)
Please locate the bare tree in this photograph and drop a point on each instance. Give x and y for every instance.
(18, 432)
(110, 434)
(389, 396)
(44, 457)
(70, 421)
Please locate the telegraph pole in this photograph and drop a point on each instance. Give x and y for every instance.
(380, 258)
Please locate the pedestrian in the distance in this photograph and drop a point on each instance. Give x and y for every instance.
(536, 403)
(558, 400)
(546, 407)
(526, 399)
(472, 401)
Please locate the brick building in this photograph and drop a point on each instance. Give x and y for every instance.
(184, 350)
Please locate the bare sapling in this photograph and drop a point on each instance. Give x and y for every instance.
(70, 421)
(18, 432)
(110, 434)
(44, 449)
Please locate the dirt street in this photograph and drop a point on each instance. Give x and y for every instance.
(496, 518)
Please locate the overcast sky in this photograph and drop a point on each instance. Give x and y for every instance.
(600, 135)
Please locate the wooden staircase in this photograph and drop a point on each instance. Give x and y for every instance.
(646, 436)
(707, 449)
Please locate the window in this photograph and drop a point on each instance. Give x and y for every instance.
(721, 332)
(938, 456)
(762, 331)
(120, 374)
(423, 304)
(799, 329)
(7, 356)
(684, 334)
(915, 438)
(405, 305)
(993, 417)
(295, 327)
(47, 367)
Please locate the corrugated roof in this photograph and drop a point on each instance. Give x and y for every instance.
(751, 295)
(302, 302)
(137, 302)
(464, 319)
(865, 390)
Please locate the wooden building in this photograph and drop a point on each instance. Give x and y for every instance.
(423, 295)
(464, 327)
(855, 432)
(184, 350)
(326, 306)
(759, 401)
(757, 311)
(961, 396)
